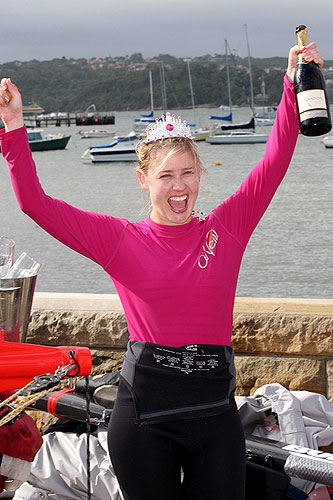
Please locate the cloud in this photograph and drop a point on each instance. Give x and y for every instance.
(81, 28)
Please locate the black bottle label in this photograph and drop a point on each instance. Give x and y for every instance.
(312, 104)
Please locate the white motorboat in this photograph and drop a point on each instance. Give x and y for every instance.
(95, 133)
(119, 150)
(328, 141)
(238, 137)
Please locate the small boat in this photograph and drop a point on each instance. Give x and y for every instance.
(238, 137)
(201, 134)
(95, 133)
(328, 141)
(264, 122)
(39, 142)
(265, 116)
(121, 149)
(266, 112)
(140, 124)
(32, 109)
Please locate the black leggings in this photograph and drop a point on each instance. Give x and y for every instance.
(148, 459)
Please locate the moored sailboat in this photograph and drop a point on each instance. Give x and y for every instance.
(236, 133)
(238, 137)
(199, 133)
(141, 123)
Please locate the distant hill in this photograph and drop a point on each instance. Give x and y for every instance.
(122, 83)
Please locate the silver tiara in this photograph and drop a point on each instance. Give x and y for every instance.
(167, 126)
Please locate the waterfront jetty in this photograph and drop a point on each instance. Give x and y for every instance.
(79, 119)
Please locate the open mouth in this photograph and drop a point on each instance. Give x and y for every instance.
(178, 204)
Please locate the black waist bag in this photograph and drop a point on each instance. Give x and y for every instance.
(179, 382)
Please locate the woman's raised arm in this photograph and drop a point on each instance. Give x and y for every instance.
(10, 105)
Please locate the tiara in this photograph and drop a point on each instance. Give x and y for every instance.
(167, 126)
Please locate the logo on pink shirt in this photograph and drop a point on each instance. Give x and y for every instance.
(208, 247)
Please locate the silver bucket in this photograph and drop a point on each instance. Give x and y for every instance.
(16, 295)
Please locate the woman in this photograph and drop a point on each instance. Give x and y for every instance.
(175, 432)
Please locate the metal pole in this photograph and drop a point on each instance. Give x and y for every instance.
(151, 91)
(250, 69)
(191, 88)
(228, 75)
(164, 98)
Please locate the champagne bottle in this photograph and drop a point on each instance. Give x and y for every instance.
(309, 85)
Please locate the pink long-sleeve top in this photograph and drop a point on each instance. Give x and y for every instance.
(176, 283)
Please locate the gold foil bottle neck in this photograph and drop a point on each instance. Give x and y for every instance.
(302, 40)
(302, 35)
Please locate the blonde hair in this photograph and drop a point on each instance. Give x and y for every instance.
(172, 146)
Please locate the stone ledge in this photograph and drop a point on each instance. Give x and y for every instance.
(261, 325)
(293, 373)
(107, 302)
(283, 333)
(77, 302)
(283, 305)
(275, 339)
(97, 329)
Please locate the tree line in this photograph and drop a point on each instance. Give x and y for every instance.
(71, 85)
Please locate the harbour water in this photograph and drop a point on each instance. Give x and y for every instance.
(289, 254)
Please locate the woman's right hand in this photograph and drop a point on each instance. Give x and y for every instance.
(10, 105)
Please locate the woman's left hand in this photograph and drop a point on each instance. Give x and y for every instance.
(309, 52)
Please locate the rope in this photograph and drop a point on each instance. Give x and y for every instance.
(21, 403)
(88, 439)
(33, 393)
(39, 387)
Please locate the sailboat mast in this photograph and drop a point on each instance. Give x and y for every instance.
(228, 75)
(163, 87)
(191, 87)
(190, 81)
(151, 91)
(250, 69)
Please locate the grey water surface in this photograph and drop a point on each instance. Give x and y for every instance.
(289, 254)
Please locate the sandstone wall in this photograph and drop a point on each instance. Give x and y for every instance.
(275, 340)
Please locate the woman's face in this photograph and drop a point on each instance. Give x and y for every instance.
(173, 188)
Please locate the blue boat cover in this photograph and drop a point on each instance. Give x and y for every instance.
(150, 115)
(113, 143)
(226, 118)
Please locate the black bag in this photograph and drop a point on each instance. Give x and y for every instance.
(263, 483)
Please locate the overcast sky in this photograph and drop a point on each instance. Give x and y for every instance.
(46, 29)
